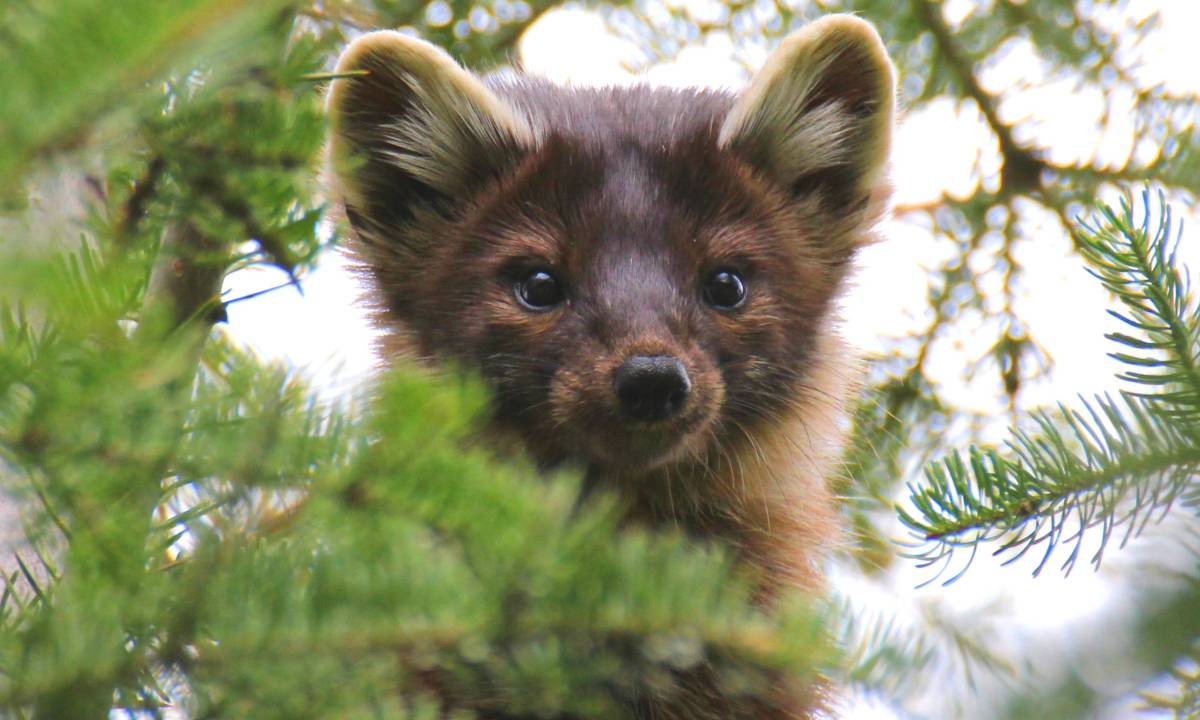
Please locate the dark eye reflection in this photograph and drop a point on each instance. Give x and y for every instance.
(724, 289)
(538, 290)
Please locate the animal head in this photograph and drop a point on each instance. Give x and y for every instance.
(638, 273)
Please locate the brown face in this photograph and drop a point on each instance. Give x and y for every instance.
(641, 274)
(630, 312)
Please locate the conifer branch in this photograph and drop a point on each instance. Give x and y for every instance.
(181, 303)
(1110, 464)
(1137, 264)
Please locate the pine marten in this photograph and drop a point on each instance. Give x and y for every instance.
(645, 277)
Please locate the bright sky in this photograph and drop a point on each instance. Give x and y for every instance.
(936, 148)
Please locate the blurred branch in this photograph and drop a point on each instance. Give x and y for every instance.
(185, 284)
(53, 64)
(1166, 627)
(506, 37)
(239, 210)
(1022, 168)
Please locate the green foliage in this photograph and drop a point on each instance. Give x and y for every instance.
(200, 532)
(1113, 464)
(63, 61)
(906, 416)
(1073, 478)
(1102, 472)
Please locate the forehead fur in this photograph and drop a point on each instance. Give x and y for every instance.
(633, 171)
(678, 139)
(616, 116)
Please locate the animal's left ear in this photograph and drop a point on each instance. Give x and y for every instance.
(818, 117)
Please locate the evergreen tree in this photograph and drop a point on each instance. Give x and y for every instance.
(1102, 471)
(1085, 474)
(201, 534)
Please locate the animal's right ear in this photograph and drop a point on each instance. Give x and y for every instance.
(412, 133)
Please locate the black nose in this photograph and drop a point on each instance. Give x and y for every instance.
(651, 388)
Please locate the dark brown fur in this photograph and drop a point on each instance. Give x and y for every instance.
(633, 196)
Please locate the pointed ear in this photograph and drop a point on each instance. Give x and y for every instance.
(818, 116)
(411, 132)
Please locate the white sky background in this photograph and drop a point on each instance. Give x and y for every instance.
(324, 332)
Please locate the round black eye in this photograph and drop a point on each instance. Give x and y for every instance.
(724, 290)
(539, 290)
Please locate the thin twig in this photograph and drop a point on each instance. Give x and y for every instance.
(135, 206)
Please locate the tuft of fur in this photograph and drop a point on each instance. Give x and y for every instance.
(455, 188)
